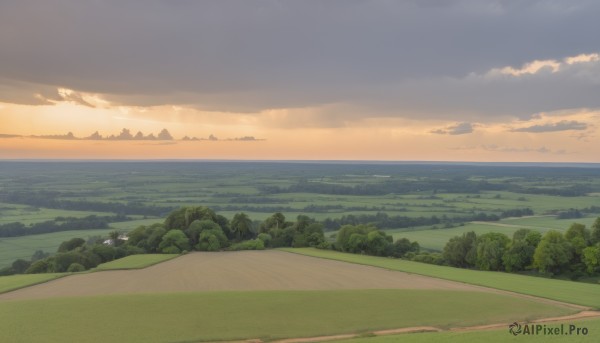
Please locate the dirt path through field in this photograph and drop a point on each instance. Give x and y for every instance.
(416, 329)
(230, 271)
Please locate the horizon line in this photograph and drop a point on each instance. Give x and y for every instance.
(329, 161)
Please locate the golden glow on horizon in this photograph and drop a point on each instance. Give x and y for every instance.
(366, 139)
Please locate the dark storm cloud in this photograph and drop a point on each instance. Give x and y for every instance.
(400, 58)
(564, 125)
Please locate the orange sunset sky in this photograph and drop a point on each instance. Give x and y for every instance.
(335, 80)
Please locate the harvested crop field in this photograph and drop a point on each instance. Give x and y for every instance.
(242, 271)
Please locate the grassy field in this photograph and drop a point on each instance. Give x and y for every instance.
(11, 213)
(193, 317)
(12, 282)
(12, 248)
(136, 261)
(132, 224)
(567, 291)
(437, 239)
(490, 336)
(551, 222)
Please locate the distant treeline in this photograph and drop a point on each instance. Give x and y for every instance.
(307, 209)
(51, 200)
(401, 186)
(571, 213)
(59, 224)
(387, 187)
(384, 221)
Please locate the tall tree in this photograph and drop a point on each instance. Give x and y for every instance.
(241, 226)
(553, 253)
(595, 236)
(490, 249)
(460, 251)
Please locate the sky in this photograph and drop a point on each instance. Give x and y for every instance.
(397, 80)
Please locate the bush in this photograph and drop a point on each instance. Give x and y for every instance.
(71, 244)
(132, 250)
(7, 271)
(106, 253)
(39, 266)
(254, 244)
(431, 258)
(20, 266)
(324, 245)
(266, 238)
(75, 267)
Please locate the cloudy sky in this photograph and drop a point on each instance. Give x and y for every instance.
(338, 79)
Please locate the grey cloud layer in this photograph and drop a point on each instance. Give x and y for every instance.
(564, 125)
(394, 58)
(458, 129)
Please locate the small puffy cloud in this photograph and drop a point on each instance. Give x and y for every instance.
(458, 129)
(563, 125)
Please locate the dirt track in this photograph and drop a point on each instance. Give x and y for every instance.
(577, 316)
(243, 270)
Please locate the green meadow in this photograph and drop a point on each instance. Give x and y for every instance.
(11, 213)
(12, 282)
(136, 261)
(212, 316)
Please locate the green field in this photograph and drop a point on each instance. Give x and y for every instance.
(194, 317)
(12, 248)
(262, 188)
(436, 239)
(550, 222)
(132, 224)
(136, 261)
(11, 213)
(12, 282)
(491, 336)
(571, 292)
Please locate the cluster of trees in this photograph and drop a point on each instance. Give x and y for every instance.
(200, 228)
(59, 224)
(575, 253)
(569, 214)
(456, 184)
(367, 239)
(385, 221)
(185, 229)
(518, 212)
(74, 255)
